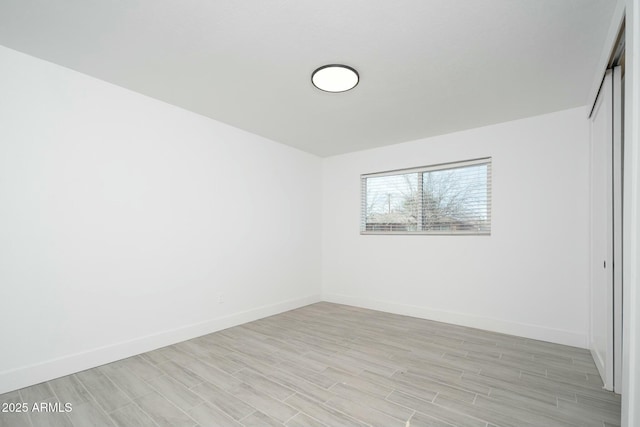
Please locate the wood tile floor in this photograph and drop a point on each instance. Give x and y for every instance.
(334, 365)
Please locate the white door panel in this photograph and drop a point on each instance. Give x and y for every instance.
(601, 232)
(606, 231)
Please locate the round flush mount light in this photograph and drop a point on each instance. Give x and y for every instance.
(335, 78)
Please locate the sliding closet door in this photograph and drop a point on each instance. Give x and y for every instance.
(605, 332)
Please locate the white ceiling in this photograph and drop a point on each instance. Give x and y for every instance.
(427, 67)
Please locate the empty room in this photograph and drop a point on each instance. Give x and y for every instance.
(340, 213)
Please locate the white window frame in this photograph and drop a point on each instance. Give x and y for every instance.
(437, 167)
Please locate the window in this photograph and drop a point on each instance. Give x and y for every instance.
(452, 198)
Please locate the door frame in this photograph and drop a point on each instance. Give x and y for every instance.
(617, 218)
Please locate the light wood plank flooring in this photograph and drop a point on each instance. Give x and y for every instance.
(334, 365)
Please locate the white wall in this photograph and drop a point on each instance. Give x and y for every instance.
(122, 220)
(528, 278)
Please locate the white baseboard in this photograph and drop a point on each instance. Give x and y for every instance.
(33, 374)
(535, 332)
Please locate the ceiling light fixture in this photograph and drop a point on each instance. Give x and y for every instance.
(335, 78)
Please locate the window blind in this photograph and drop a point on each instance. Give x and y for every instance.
(451, 198)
